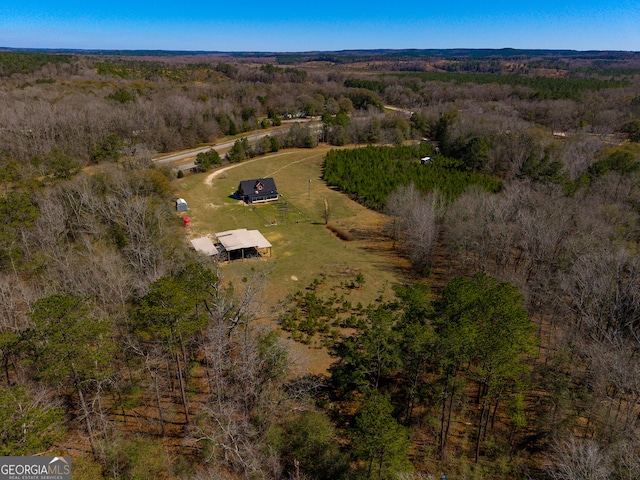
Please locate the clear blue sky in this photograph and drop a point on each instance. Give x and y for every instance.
(285, 25)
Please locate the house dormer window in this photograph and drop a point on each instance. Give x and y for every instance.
(259, 186)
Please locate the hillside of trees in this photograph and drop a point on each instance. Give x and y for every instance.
(510, 352)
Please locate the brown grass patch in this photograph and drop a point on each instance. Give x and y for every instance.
(340, 233)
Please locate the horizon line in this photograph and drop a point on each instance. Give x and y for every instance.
(309, 52)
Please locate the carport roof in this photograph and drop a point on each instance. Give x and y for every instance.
(204, 245)
(242, 238)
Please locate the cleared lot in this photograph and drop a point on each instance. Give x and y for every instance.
(303, 248)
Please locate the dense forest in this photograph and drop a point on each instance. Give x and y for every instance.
(509, 350)
(373, 173)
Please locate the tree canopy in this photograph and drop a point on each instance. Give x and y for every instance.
(371, 173)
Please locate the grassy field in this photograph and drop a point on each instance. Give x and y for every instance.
(303, 248)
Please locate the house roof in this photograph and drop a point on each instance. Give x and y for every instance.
(242, 238)
(204, 245)
(180, 201)
(250, 187)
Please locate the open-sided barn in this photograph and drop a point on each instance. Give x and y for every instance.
(243, 243)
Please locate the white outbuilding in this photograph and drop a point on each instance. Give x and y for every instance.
(181, 205)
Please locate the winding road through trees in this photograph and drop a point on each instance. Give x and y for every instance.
(184, 160)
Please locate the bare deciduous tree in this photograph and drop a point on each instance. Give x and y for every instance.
(15, 300)
(415, 223)
(577, 459)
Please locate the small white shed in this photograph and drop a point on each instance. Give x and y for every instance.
(181, 205)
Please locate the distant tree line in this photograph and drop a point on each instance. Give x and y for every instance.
(543, 87)
(27, 63)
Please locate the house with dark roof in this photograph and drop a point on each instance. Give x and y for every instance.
(258, 191)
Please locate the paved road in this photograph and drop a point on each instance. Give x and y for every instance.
(184, 160)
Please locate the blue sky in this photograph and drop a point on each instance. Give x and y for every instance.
(288, 26)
